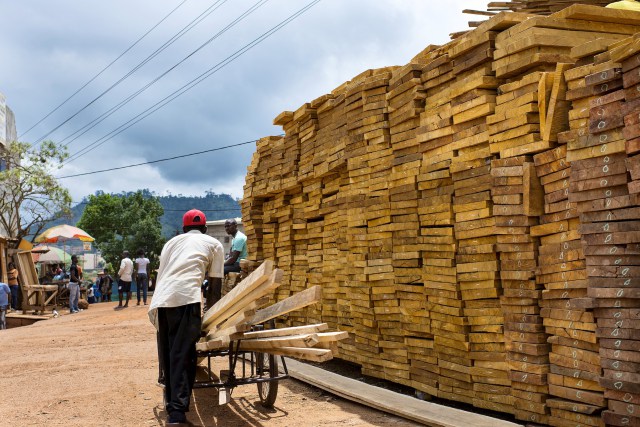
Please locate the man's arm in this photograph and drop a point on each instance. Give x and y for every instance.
(233, 258)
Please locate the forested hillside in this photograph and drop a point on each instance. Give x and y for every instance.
(215, 206)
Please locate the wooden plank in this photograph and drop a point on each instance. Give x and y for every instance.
(598, 14)
(545, 86)
(557, 118)
(427, 413)
(301, 341)
(254, 280)
(294, 302)
(295, 330)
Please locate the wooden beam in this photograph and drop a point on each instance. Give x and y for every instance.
(295, 330)
(254, 280)
(311, 354)
(244, 300)
(545, 85)
(241, 317)
(267, 344)
(232, 332)
(244, 315)
(294, 302)
(557, 119)
(216, 344)
(478, 12)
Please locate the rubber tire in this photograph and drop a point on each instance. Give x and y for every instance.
(267, 365)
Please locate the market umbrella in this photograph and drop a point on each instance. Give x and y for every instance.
(46, 253)
(62, 233)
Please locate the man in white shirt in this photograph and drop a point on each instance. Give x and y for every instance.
(142, 276)
(175, 310)
(124, 281)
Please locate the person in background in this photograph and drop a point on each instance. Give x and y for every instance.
(142, 276)
(91, 296)
(124, 279)
(59, 274)
(238, 250)
(74, 286)
(106, 285)
(12, 272)
(175, 308)
(5, 292)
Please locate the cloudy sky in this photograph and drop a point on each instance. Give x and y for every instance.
(49, 49)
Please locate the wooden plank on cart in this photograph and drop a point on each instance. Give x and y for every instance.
(253, 281)
(295, 330)
(294, 302)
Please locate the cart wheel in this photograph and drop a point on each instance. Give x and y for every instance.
(267, 366)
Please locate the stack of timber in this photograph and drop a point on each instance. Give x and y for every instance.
(472, 94)
(570, 325)
(437, 244)
(595, 150)
(230, 320)
(616, 233)
(452, 210)
(541, 7)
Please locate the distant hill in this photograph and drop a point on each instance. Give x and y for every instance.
(215, 206)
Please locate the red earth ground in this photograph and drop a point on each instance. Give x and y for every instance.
(99, 368)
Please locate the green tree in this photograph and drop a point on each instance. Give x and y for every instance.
(127, 221)
(30, 195)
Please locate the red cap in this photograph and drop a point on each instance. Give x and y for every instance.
(194, 217)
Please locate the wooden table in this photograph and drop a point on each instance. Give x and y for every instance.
(39, 298)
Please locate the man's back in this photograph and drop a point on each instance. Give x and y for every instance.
(126, 269)
(239, 243)
(185, 261)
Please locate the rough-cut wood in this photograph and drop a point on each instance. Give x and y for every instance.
(253, 281)
(294, 302)
(556, 118)
(295, 330)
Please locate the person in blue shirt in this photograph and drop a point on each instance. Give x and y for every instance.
(238, 250)
(5, 291)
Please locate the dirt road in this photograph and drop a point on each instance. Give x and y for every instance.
(99, 368)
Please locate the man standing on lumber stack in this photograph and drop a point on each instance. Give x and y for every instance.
(175, 308)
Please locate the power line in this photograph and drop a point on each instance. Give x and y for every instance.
(168, 43)
(191, 84)
(104, 69)
(158, 161)
(121, 104)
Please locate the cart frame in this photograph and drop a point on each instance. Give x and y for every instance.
(255, 374)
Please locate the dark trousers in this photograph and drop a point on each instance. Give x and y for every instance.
(14, 296)
(142, 284)
(178, 333)
(232, 268)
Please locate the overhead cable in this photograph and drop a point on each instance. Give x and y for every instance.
(103, 70)
(166, 100)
